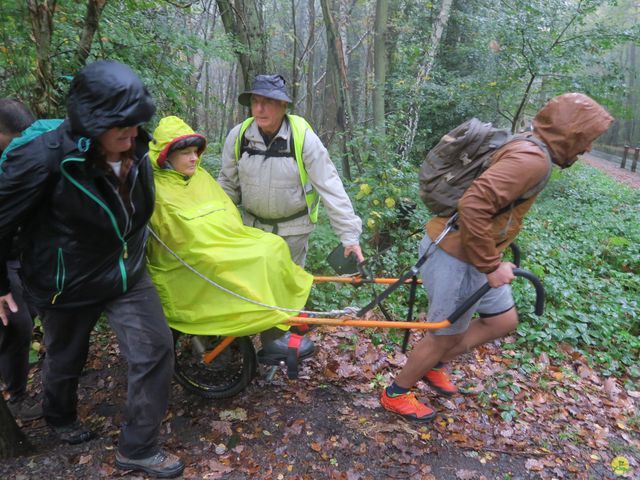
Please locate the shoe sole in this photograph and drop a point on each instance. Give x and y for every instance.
(440, 391)
(410, 419)
(139, 468)
(76, 440)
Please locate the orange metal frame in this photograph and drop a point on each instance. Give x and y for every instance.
(210, 356)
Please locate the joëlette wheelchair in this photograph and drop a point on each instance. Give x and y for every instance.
(221, 367)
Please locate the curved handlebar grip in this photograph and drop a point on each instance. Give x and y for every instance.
(518, 272)
(515, 251)
(469, 302)
(540, 296)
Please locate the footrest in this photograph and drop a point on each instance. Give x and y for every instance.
(291, 361)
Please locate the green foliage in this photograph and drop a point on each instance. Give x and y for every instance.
(582, 239)
(157, 40)
(496, 56)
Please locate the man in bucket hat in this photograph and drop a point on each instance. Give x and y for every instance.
(278, 169)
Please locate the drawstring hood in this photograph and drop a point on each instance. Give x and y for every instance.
(107, 94)
(568, 124)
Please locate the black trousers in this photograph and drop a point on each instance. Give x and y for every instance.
(145, 341)
(15, 339)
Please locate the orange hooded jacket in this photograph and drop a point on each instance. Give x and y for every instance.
(567, 124)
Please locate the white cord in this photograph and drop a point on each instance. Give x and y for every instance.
(333, 313)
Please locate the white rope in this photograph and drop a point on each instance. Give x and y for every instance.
(349, 311)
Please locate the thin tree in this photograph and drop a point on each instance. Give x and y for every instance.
(341, 89)
(424, 73)
(243, 21)
(41, 14)
(380, 64)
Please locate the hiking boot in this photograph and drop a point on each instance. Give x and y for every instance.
(73, 433)
(407, 406)
(275, 343)
(438, 379)
(25, 408)
(160, 465)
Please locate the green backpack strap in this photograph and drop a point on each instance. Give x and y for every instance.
(34, 130)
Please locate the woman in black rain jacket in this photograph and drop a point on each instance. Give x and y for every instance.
(82, 194)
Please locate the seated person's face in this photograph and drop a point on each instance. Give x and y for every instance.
(184, 161)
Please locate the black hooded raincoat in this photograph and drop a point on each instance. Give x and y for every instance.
(80, 244)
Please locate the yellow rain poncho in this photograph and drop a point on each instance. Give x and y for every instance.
(199, 222)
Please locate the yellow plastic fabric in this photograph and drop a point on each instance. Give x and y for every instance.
(198, 221)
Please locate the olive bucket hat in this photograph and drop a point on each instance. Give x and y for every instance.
(270, 86)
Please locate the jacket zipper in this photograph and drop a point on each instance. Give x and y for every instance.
(60, 276)
(124, 253)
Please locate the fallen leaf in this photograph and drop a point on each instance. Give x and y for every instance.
(466, 474)
(611, 388)
(230, 415)
(533, 464)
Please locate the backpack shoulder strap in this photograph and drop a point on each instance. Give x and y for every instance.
(542, 183)
(34, 130)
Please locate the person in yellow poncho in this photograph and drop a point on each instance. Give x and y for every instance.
(199, 222)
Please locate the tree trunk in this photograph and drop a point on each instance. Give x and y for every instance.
(310, 62)
(632, 96)
(90, 26)
(380, 64)
(341, 88)
(41, 15)
(423, 75)
(243, 20)
(294, 61)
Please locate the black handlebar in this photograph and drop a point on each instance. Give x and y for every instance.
(515, 251)
(518, 272)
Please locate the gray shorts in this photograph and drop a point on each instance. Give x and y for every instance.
(449, 282)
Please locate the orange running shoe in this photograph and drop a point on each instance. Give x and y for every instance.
(407, 406)
(438, 379)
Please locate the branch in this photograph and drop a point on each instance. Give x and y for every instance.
(357, 44)
(180, 5)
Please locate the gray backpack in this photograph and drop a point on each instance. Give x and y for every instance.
(459, 158)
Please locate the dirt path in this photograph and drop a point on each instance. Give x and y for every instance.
(612, 169)
(568, 422)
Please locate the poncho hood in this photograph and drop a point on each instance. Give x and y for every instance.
(169, 132)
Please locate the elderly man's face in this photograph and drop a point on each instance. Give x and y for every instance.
(268, 113)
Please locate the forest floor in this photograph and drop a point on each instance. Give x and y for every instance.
(544, 420)
(559, 421)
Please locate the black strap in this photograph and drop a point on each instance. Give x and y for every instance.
(275, 221)
(293, 351)
(279, 147)
(536, 188)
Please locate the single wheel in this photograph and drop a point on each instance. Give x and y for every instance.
(227, 375)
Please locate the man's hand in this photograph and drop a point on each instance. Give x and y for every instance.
(9, 302)
(501, 275)
(355, 249)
